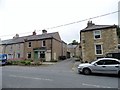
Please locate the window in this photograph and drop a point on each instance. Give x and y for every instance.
(29, 44)
(42, 54)
(101, 62)
(18, 55)
(111, 62)
(97, 34)
(29, 55)
(98, 49)
(43, 43)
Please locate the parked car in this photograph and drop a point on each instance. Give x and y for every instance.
(103, 65)
(3, 59)
(113, 55)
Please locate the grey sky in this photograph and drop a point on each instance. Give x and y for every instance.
(119, 14)
(21, 16)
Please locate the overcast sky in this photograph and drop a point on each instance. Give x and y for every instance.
(23, 16)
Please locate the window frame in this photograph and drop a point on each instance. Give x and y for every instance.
(101, 49)
(97, 34)
(44, 43)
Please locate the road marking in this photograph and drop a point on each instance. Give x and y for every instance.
(93, 85)
(45, 79)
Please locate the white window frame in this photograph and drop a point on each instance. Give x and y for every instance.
(97, 34)
(101, 49)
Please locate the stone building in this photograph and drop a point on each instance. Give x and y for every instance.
(46, 46)
(97, 40)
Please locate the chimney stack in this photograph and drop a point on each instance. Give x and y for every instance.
(44, 31)
(34, 33)
(16, 36)
(89, 24)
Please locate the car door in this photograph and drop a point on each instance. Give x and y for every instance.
(111, 66)
(99, 67)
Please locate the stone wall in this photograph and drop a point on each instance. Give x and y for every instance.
(109, 42)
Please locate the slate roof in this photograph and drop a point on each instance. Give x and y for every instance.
(72, 46)
(30, 38)
(98, 27)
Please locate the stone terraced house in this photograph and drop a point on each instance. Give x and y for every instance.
(47, 46)
(97, 40)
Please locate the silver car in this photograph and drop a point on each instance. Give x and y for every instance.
(103, 65)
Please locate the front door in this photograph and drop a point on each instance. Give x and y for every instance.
(36, 55)
(48, 56)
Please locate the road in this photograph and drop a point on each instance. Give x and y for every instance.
(59, 75)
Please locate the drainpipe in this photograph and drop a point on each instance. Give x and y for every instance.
(62, 48)
(51, 47)
(25, 46)
(5, 49)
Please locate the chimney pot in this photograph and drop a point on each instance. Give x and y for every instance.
(44, 31)
(16, 36)
(34, 33)
(89, 24)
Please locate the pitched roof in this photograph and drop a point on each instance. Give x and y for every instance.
(31, 38)
(98, 27)
(72, 46)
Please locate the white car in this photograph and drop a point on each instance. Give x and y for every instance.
(103, 65)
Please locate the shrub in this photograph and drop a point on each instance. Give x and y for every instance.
(27, 62)
(9, 62)
(23, 62)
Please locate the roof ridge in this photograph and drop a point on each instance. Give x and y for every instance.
(95, 27)
(29, 38)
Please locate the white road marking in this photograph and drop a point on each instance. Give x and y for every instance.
(36, 78)
(93, 85)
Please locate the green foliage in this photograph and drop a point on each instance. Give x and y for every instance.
(19, 62)
(74, 42)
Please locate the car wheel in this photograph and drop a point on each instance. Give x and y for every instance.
(86, 71)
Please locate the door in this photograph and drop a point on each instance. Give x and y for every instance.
(99, 67)
(48, 56)
(36, 55)
(54, 56)
(111, 66)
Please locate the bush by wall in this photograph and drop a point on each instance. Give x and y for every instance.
(22, 62)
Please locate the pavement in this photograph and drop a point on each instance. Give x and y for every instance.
(75, 65)
(48, 63)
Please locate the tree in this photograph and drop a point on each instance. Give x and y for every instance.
(74, 42)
